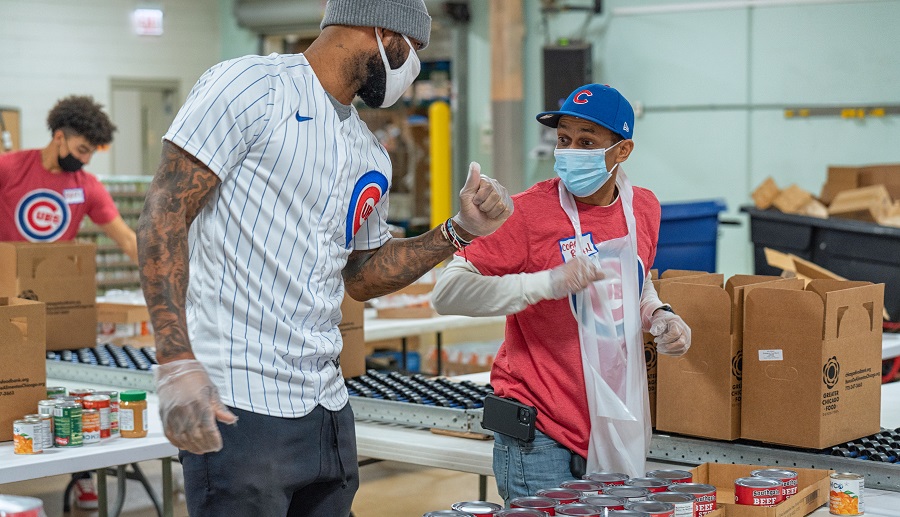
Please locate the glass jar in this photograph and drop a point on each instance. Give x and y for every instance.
(133, 414)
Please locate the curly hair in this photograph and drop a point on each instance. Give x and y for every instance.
(81, 115)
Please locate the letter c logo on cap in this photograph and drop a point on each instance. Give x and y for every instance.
(580, 97)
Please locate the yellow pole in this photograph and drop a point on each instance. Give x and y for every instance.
(441, 179)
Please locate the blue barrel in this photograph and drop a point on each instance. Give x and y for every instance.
(688, 234)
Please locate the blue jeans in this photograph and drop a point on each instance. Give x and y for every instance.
(523, 468)
(276, 467)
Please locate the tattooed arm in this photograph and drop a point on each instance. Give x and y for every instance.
(180, 189)
(400, 262)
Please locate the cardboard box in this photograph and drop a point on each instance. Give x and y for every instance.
(765, 194)
(412, 301)
(868, 204)
(62, 276)
(792, 199)
(813, 486)
(353, 355)
(124, 323)
(812, 363)
(887, 175)
(23, 370)
(839, 179)
(699, 393)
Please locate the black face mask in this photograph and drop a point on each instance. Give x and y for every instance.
(69, 163)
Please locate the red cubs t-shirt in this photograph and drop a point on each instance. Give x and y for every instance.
(539, 362)
(37, 205)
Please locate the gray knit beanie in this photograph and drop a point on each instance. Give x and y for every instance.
(408, 17)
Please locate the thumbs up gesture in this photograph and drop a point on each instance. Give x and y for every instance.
(484, 204)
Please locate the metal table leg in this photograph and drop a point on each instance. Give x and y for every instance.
(102, 509)
(168, 504)
(482, 487)
(120, 490)
(439, 339)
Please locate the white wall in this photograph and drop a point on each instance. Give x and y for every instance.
(50, 49)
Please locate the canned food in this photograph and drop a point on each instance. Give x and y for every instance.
(447, 513)
(788, 479)
(67, 425)
(535, 502)
(113, 411)
(65, 398)
(101, 404)
(561, 495)
(627, 513)
(90, 426)
(756, 491)
(705, 496)
(846, 495)
(80, 393)
(56, 390)
(607, 478)
(20, 506)
(27, 437)
(46, 429)
(477, 508)
(520, 512)
(671, 475)
(607, 502)
(652, 508)
(580, 509)
(683, 503)
(628, 493)
(584, 486)
(654, 485)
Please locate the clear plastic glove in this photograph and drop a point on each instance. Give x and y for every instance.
(484, 204)
(189, 406)
(573, 276)
(673, 336)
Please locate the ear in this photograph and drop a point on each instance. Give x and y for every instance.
(624, 150)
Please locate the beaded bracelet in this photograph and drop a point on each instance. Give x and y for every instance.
(449, 233)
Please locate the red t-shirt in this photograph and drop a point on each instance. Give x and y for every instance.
(40, 206)
(539, 362)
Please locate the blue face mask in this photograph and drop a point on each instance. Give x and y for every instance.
(583, 171)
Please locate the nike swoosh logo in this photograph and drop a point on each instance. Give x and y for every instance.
(301, 118)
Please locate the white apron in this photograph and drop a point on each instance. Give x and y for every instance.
(615, 378)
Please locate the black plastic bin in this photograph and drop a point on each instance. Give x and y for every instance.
(853, 249)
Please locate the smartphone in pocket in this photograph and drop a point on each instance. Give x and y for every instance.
(510, 417)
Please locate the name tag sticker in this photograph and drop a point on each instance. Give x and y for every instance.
(74, 195)
(568, 247)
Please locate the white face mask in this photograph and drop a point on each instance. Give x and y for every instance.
(397, 81)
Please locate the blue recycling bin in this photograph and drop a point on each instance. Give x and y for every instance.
(688, 234)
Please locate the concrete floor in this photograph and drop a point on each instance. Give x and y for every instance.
(387, 489)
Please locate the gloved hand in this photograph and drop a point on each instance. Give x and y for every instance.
(189, 406)
(673, 336)
(573, 276)
(483, 203)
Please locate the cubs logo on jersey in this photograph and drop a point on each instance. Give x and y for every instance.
(42, 216)
(367, 192)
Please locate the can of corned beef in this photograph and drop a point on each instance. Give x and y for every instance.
(654, 485)
(585, 510)
(477, 508)
(628, 493)
(561, 495)
(787, 477)
(705, 496)
(672, 475)
(652, 508)
(607, 502)
(684, 503)
(607, 478)
(755, 491)
(585, 487)
(535, 502)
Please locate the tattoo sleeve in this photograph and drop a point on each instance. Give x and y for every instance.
(180, 189)
(400, 262)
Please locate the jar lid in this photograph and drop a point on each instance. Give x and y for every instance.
(133, 395)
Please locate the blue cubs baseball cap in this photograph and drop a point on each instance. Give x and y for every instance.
(598, 103)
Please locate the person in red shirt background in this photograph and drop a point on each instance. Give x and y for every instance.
(570, 270)
(45, 193)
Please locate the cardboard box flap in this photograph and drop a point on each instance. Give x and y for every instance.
(793, 309)
(705, 305)
(742, 280)
(741, 286)
(674, 273)
(850, 311)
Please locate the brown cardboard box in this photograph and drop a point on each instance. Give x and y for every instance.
(353, 355)
(124, 323)
(62, 275)
(812, 363)
(887, 175)
(699, 393)
(23, 371)
(813, 486)
(792, 199)
(839, 179)
(863, 204)
(765, 194)
(412, 301)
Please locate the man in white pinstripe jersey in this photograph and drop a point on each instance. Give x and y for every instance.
(270, 201)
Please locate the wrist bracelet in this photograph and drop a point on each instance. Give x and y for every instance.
(450, 234)
(667, 308)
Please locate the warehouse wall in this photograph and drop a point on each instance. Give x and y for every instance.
(712, 84)
(55, 48)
